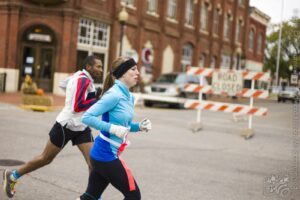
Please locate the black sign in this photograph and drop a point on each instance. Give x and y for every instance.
(2, 82)
(48, 2)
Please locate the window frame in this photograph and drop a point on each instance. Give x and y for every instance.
(172, 9)
(91, 47)
(204, 17)
(152, 6)
(251, 36)
(189, 13)
(259, 43)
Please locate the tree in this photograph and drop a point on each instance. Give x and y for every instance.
(290, 48)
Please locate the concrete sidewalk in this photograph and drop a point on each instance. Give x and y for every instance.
(15, 98)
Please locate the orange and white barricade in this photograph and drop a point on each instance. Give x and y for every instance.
(226, 107)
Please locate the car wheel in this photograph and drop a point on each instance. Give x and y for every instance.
(279, 100)
(148, 103)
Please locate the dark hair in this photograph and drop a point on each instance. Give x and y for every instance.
(90, 60)
(110, 79)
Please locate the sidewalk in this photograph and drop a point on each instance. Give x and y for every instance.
(15, 99)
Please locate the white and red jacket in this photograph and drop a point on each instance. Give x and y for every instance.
(80, 95)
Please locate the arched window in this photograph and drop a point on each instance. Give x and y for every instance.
(216, 21)
(213, 62)
(251, 39)
(238, 35)
(187, 55)
(227, 26)
(259, 43)
(202, 60)
(127, 2)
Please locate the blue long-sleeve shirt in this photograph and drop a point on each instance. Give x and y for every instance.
(116, 107)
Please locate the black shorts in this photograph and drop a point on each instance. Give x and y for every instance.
(60, 135)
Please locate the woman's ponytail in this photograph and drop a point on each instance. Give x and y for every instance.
(108, 82)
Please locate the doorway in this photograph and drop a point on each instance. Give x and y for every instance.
(37, 57)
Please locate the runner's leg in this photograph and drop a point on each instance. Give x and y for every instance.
(96, 185)
(41, 160)
(85, 150)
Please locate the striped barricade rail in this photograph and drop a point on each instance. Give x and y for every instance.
(207, 89)
(227, 81)
(249, 75)
(225, 107)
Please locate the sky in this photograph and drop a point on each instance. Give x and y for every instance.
(273, 8)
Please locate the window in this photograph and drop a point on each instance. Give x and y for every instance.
(213, 61)
(93, 38)
(152, 6)
(225, 61)
(259, 43)
(238, 35)
(216, 21)
(100, 34)
(251, 39)
(92, 33)
(127, 2)
(227, 26)
(189, 12)
(172, 8)
(187, 55)
(85, 32)
(241, 2)
(204, 16)
(202, 60)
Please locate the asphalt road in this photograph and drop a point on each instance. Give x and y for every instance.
(170, 162)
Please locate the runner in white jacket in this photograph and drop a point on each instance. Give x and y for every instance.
(80, 95)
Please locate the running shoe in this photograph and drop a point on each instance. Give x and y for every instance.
(8, 184)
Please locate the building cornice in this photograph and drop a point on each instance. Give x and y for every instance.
(259, 16)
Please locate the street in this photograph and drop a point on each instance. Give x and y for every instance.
(170, 162)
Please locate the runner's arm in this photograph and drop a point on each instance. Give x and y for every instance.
(80, 101)
(91, 116)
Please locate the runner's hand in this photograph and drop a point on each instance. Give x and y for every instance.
(119, 131)
(145, 125)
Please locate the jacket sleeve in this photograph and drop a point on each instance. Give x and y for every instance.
(134, 126)
(80, 102)
(105, 104)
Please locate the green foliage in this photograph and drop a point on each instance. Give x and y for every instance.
(290, 48)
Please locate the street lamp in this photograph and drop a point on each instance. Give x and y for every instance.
(238, 52)
(123, 17)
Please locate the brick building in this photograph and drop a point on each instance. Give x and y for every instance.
(48, 39)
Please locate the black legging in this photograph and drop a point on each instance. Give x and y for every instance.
(104, 173)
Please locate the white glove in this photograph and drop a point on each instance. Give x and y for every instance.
(145, 125)
(119, 131)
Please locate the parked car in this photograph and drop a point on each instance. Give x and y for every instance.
(274, 89)
(289, 93)
(172, 85)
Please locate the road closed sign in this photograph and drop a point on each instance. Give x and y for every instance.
(227, 81)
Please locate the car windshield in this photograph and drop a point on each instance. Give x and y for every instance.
(171, 78)
(290, 89)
